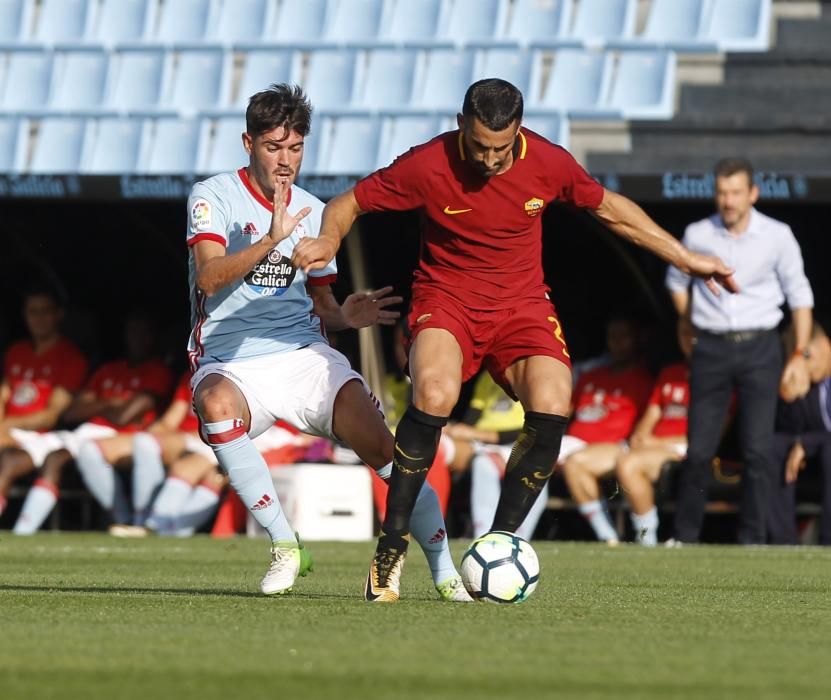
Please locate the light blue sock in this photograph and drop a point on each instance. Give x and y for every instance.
(168, 504)
(595, 513)
(39, 503)
(148, 474)
(102, 481)
(249, 475)
(485, 488)
(428, 529)
(646, 527)
(198, 509)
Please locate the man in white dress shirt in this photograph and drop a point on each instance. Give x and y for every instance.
(736, 345)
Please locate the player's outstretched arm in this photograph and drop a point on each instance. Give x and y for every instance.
(215, 269)
(628, 220)
(338, 216)
(359, 310)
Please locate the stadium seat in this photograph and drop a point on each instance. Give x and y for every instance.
(220, 145)
(550, 125)
(474, 22)
(28, 76)
(389, 79)
(311, 147)
(577, 84)
(78, 81)
(57, 148)
(197, 80)
(263, 67)
(350, 146)
(135, 82)
(447, 77)
(121, 22)
(63, 21)
(15, 20)
(111, 146)
(169, 146)
(672, 24)
(400, 133)
(330, 77)
(509, 64)
(598, 21)
(240, 22)
(183, 21)
(414, 23)
(13, 138)
(739, 25)
(644, 85)
(354, 22)
(299, 23)
(540, 23)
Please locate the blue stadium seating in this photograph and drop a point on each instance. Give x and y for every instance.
(540, 23)
(169, 145)
(63, 21)
(197, 80)
(183, 21)
(550, 125)
(111, 145)
(13, 141)
(298, 23)
(512, 65)
(644, 85)
(389, 79)
(79, 80)
(57, 148)
(121, 22)
(15, 20)
(402, 132)
(577, 84)
(330, 77)
(598, 21)
(262, 68)
(739, 25)
(447, 76)
(135, 82)
(354, 22)
(350, 146)
(26, 88)
(414, 23)
(241, 22)
(220, 145)
(474, 22)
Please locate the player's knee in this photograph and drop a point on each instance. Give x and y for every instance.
(216, 404)
(436, 397)
(627, 467)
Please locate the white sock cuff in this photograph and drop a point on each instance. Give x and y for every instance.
(590, 507)
(385, 472)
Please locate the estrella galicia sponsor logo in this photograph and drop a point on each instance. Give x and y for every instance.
(771, 186)
(272, 276)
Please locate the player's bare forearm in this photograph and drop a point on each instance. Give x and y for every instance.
(133, 409)
(326, 307)
(338, 216)
(681, 302)
(215, 269)
(803, 319)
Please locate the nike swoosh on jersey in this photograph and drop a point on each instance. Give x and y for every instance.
(448, 210)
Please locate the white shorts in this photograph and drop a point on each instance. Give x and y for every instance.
(72, 439)
(571, 444)
(36, 444)
(680, 448)
(298, 387)
(194, 444)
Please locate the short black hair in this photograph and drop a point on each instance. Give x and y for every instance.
(727, 167)
(280, 105)
(494, 102)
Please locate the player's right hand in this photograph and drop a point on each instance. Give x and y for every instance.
(314, 253)
(283, 223)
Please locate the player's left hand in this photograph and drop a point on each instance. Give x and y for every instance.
(796, 379)
(714, 272)
(367, 308)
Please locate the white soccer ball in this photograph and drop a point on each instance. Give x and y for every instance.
(500, 567)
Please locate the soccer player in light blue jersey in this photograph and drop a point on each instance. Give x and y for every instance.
(257, 347)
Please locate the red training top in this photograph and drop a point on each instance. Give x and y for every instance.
(120, 379)
(607, 403)
(481, 237)
(672, 395)
(32, 377)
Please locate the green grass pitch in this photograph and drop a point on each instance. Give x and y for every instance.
(87, 616)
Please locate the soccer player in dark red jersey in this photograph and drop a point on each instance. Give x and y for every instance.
(479, 295)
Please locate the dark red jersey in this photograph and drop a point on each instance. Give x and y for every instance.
(120, 379)
(32, 377)
(672, 395)
(607, 403)
(481, 237)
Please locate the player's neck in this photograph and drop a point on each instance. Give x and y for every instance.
(45, 343)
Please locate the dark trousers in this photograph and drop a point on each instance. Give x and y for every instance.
(782, 500)
(752, 367)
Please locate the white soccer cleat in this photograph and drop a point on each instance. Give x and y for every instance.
(453, 590)
(285, 565)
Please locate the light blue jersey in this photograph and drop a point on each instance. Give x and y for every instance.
(269, 311)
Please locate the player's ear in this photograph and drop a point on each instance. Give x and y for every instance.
(247, 142)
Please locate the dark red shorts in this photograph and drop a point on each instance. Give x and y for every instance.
(496, 339)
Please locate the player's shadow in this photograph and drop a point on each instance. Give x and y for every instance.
(109, 590)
